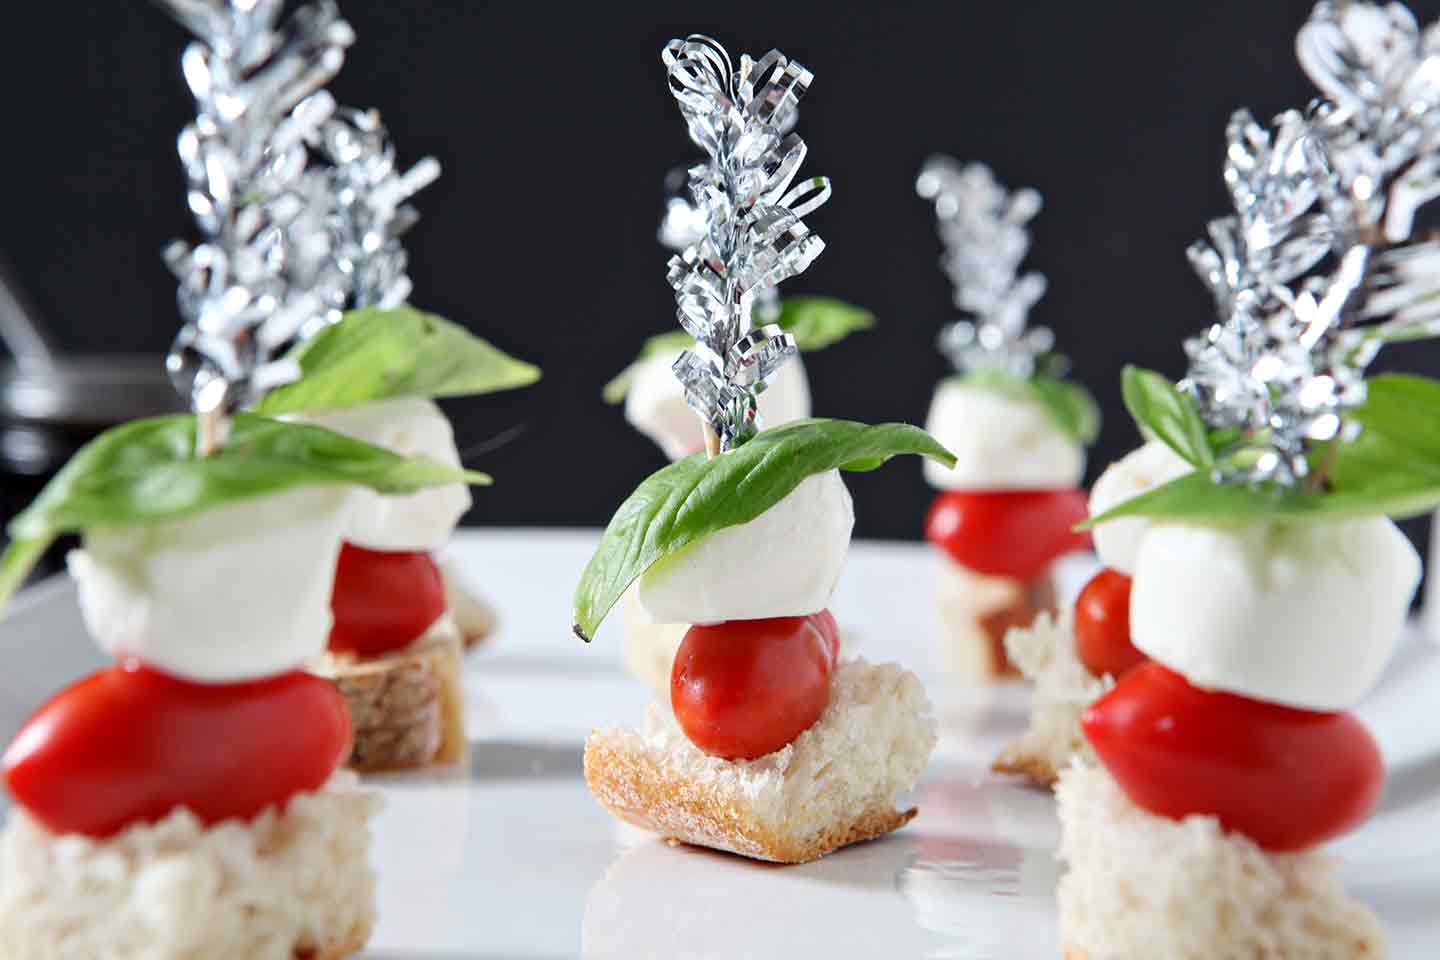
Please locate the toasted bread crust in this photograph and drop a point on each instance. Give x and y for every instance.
(340, 947)
(634, 789)
(1032, 766)
(407, 708)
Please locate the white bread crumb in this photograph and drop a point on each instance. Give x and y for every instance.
(1143, 887)
(1045, 653)
(283, 885)
(834, 784)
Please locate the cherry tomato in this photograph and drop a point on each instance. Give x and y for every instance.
(1102, 625)
(383, 601)
(1016, 533)
(1287, 779)
(130, 744)
(745, 688)
(825, 622)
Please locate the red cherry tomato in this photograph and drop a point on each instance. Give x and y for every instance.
(1287, 779)
(1015, 533)
(130, 744)
(1102, 625)
(830, 630)
(745, 688)
(383, 601)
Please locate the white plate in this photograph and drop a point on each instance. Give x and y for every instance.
(511, 858)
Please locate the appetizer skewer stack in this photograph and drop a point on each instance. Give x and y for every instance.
(370, 371)
(770, 746)
(187, 801)
(1269, 587)
(655, 402)
(1007, 507)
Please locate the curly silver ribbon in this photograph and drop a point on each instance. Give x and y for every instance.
(751, 235)
(983, 228)
(1286, 363)
(683, 224)
(346, 243)
(259, 98)
(302, 202)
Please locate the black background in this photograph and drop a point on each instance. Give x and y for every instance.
(555, 130)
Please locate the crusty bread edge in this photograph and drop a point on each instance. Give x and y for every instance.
(447, 662)
(1032, 766)
(354, 941)
(634, 789)
(439, 657)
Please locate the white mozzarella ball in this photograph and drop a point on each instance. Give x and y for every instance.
(999, 442)
(233, 593)
(1300, 614)
(655, 404)
(1139, 471)
(784, 563)
(411, 427)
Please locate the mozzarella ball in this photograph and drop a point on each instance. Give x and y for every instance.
(1139, 471)
(411, 427)
(1000, 442)
(1300, 614)
(784, 563)
(655, 404)
(233, 593)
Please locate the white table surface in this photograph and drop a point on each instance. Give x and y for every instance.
(509, 857)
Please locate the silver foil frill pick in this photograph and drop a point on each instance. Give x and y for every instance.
(259, 98)
(357, 210)
(1316, 269)
(983, 228)
(1379, 124)
(745, 224)
(683, 224)
(301, 202)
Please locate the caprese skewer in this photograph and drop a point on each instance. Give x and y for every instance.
(768, 745)
(1269, 586)
(1007, 509)
(401, 619)
(655, 400)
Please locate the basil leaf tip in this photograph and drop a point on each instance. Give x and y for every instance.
(375, 354)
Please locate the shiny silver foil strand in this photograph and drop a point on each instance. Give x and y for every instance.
(259, 98)
(1285, 364)
(747, 232)
(983, 229)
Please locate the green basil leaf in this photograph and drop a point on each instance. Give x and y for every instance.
(146, 470)
(1069, 405)
(1072, 406)
(1161, 410)
(817, 322)
(695, 497)
(374, 354)
(1392, 468)
(16, 563)
(814, 322)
